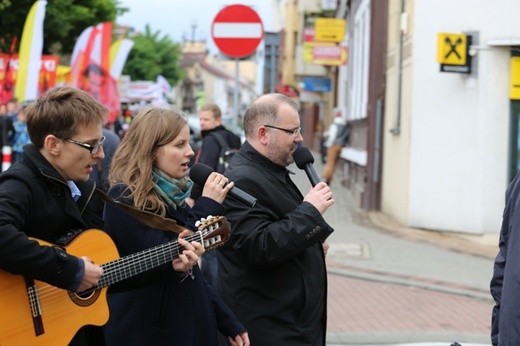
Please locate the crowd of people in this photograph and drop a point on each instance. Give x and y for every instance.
(13, 130)
(75, 175)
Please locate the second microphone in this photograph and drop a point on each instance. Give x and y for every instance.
(200, 172)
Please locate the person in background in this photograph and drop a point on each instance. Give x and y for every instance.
(505, 282)
(210, 117)
(48, 195)
(171, 304)
(21, 136)
(12, 109)
(337, 138)
(100, 172)
(272, 271)
(7, 131)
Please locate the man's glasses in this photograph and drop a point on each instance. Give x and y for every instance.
(295, 132)
(92, 148)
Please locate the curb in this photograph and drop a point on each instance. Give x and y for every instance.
(456, 242)
(401, 339)
(335, 268)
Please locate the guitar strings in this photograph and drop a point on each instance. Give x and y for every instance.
(49, 295)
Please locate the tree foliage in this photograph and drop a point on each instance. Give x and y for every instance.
(152, 55)
(64, 21)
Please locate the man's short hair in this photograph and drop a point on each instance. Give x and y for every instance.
(60, 111)
(215, 109)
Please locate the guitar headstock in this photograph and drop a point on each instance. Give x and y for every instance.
(215, 231)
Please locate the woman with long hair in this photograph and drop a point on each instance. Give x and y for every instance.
(171, 304)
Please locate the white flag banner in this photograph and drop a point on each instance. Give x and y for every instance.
(163, 84)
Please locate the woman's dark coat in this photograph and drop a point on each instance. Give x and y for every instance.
(163, 307)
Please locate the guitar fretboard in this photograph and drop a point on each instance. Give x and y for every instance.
(129, 266)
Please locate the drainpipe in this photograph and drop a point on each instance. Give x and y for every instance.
(404, 25)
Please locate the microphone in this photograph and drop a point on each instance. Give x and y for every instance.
(304, 160)
(200, 172)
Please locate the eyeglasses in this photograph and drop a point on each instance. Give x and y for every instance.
(92, 148)
(294, 132)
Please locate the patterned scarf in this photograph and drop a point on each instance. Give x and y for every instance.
(173, 191)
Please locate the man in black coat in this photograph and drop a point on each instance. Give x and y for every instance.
(272, 271)
(210, 117)
(505, 284)
(48, 195)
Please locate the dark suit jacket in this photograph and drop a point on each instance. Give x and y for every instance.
(505, 284)
(272, 271)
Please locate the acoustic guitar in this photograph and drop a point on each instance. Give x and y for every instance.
(36, 313)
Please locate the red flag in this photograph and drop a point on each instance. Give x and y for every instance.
(7, 85)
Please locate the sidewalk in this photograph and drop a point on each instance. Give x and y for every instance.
(390, 284)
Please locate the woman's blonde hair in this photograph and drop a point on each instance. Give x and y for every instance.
(134, 159)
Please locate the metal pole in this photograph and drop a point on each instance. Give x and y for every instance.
(235, 94)
(273, 68)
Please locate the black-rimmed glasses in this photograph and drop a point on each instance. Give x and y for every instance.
(295, 132)
(92, 148)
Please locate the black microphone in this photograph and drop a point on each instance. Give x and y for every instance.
(200, 172)
(304, 160)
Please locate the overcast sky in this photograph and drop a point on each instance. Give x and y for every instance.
(176, 17)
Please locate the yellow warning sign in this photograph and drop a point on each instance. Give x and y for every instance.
(452, 49)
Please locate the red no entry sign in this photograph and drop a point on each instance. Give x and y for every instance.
(237, 30)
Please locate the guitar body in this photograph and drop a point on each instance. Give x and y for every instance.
(37, 313)
(62, 313)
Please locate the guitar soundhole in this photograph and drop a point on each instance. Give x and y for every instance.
(85, 298)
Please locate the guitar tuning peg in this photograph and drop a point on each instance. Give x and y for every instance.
(197, 223)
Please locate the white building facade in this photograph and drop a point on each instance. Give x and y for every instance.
(449, 143)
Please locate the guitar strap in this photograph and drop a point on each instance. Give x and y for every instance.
(146, 217)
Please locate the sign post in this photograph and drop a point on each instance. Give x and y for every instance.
(237, 30)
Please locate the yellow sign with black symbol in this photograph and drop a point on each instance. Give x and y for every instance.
(329, 29)
(514, 84)
(452, 49)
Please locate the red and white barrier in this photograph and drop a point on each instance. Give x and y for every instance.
(6, 157)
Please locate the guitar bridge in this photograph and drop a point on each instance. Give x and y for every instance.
(36, 308)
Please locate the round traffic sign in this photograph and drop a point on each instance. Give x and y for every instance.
(237, 30)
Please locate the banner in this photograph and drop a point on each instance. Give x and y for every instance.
(90, 67)
(7, 82)
(47, 71)
(119, 51)
(163, 84)
(31, 47)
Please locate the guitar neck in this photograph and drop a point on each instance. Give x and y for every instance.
(140, 262)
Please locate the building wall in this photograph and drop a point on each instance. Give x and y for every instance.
(447, 169)
(376, 102)
(359, 64)
(396, 164)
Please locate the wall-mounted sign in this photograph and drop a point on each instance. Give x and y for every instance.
(514, 84)
(317, 84)
(452, 49)
(452, 52)
(308, 50)
(329, 29)
(308, 34)
(329, 55)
